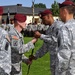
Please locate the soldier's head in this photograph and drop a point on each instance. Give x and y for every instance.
(20, 21)
(46, 17)
(11, 21)
(1, 12)
(67, 9)
(3, 22)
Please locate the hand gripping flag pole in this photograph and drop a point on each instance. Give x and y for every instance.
(30, 64)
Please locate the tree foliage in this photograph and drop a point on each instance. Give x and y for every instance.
(40, 5)
(55, 8)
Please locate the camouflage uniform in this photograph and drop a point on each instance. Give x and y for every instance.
(7, 27)
(5, 53)
(3, 26)
(29, 30)
(50, 44)
(18, 48)
(45, 28)
(39, 28)
(66, 49)
(24, 32)
(34, 28)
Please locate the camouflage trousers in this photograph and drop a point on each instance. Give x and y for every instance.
(15, 72)
(2, 72)
(52, 69)
(53, 63)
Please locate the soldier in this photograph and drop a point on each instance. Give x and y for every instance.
(42, 26)
(12, 21)
(34, 28)
(24, 32)
(66, 40)
(17, 45)
(45, 28)
(29, 29)
(3, 24)
(5, 50)
(50, 39)
(39, 28)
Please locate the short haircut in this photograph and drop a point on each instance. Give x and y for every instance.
(71, 9)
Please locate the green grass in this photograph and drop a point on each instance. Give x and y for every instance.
(40, 66)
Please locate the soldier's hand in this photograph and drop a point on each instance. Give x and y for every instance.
(31, 57)
(34, 40)
(37, 34)
(28, 62)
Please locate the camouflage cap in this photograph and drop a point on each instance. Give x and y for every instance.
(1, 10)
(66, 3)
(20, 17)
(45, 12)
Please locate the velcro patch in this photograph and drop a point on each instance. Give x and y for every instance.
(15, 41)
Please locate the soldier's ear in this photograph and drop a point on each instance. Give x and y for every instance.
(49, 16)
(19, 23)
(66, 11)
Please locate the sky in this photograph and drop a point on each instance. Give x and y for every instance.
(28, 3)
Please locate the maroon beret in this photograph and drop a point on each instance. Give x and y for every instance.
(1, 10)
(45, 12)
(66, 3)
(20, 17)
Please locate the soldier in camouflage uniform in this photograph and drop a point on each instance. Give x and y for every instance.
(5, 50)
(34, 28)
(45, 28)
(29, 29)
(17, 44)
(66, 40)
(50, 39)
(3, 24)
(39, 28)
(5, 53)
